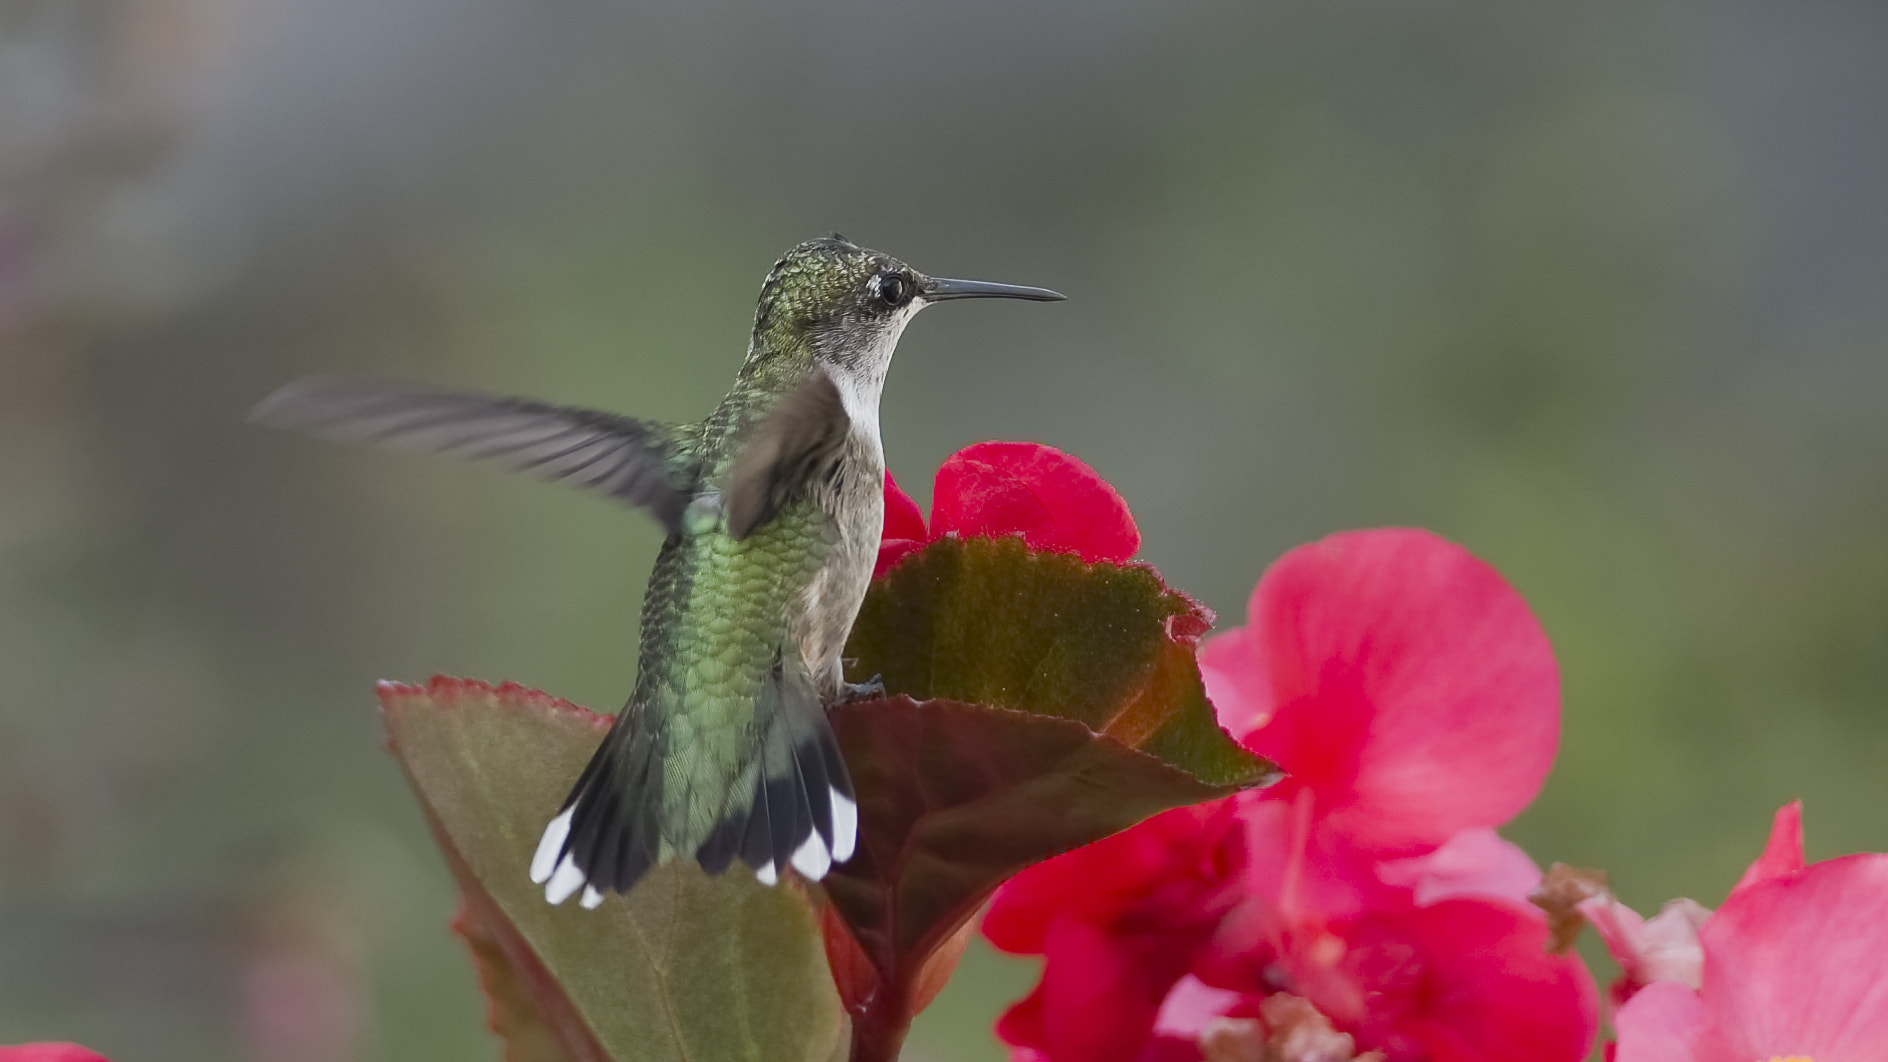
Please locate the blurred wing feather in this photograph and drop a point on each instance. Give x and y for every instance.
(792, 446)
(641, 463)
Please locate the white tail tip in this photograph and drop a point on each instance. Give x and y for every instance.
(845, 827)
(592, 899)
(767, 874)
(564, 883)
(550, 848)
(812, 859)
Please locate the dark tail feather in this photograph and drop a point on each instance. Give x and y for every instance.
(816, 789)
(792, 804)
(795, 806)
(803, 811)
(717, 853)
(605, 838)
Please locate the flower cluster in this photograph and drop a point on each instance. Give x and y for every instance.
(1362, 908)
(1794, 965)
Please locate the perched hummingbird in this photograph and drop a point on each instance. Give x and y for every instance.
(773, 507)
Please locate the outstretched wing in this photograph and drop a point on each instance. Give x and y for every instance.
(642, 463)
(797, 443)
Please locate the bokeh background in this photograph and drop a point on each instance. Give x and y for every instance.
(1599, 290)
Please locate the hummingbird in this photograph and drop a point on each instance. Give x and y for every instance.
(773, 508)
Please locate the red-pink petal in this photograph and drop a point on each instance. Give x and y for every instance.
(1178, 857)
(49, 1052)
(1296, 874)
(891, 551)
(903, 518)
(1234, 671)
(1665, 1022)
(1798, 965)
(1099, 999)
(1473, 863)
(1190, 1004)
(1415, 693)
(1783, 855)
(1665, 948)
(1020, 1026)
(1053, 500)
(904, 532)
(1459, 979)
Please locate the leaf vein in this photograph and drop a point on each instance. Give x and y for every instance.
(658, 968)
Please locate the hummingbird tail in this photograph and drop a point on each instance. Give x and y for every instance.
(788, 801)
(795, 805)
(606, 836)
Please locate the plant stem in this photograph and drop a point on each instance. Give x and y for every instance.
(879, 1028)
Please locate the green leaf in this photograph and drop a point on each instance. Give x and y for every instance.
(685, 967)
(985, 621)
(1040, 703)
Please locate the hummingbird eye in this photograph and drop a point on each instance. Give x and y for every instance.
(894, 289)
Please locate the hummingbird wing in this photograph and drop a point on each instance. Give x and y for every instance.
(797, 443)
(642, 463)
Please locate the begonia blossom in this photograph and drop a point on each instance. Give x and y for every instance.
(1415, 701)
(1794, 966)
(1053, 500)
(1399, 679)
(1416, 961)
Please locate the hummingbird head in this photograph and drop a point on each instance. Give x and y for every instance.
(848, 305)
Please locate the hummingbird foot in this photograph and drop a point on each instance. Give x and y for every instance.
(862, 691)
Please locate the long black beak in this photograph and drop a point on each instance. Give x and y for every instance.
(936, 289)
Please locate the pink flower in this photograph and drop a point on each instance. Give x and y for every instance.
(1662, 948)
(1057, 503)
(1397, 678)
(49, 1052)
(1415, 702)
(1458, 979)
(1795, 965)
(1666, 947)
(1435, 956)
(1121, 921)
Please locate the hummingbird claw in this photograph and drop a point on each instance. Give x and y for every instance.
(862, 691)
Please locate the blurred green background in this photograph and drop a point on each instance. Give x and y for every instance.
(1599, 290)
